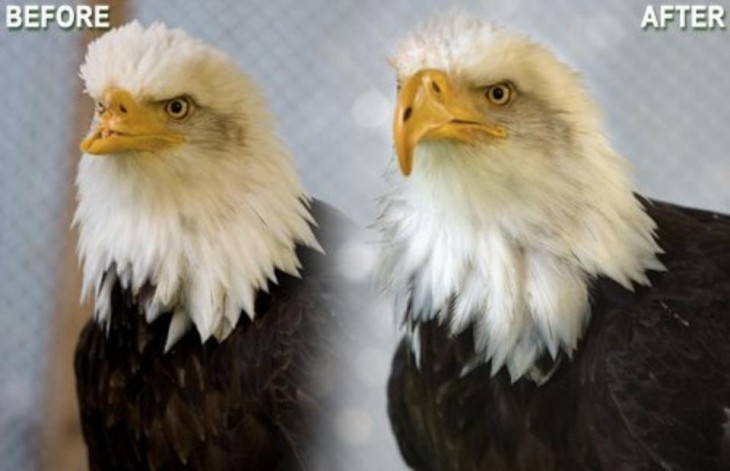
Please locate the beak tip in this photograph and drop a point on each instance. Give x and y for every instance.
(405, 163)
(84, 146)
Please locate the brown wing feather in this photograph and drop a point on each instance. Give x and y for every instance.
(661, 365)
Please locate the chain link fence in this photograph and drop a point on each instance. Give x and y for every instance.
(323, 67)
(37, 84)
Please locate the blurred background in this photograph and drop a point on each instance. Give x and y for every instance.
(322, 65)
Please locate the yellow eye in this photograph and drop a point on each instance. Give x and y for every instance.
(178, 108)
(499, 94)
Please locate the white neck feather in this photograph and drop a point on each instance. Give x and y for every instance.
(207, 236)
(463, 242)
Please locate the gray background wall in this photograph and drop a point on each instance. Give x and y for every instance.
(322, 65)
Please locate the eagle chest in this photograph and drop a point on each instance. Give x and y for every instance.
(210, 406)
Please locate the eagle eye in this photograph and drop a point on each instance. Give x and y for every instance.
(499, 94)
(178, 108)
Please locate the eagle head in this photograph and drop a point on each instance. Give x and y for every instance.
(162, 94)
(183, 186)
(498, 112)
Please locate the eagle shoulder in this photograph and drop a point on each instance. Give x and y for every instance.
(657, 363)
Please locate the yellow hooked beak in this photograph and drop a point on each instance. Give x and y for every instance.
(126, 126)
(430, 107)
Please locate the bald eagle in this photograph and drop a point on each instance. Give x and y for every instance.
(552, 318)
(204, 256)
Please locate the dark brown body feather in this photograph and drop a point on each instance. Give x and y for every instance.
(648, 388)
(251, 402)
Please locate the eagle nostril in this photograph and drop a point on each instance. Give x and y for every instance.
(435, 87)
(122, 108)
(407, 114)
